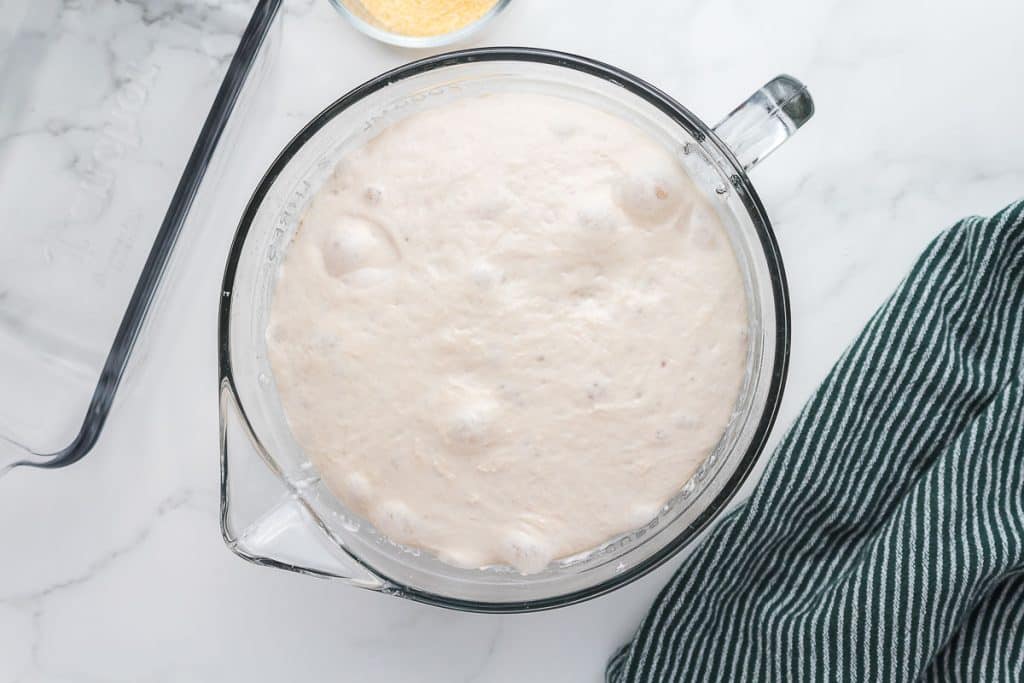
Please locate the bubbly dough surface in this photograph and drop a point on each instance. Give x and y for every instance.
(508, 329)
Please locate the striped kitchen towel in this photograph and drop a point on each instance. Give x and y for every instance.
(885, 541)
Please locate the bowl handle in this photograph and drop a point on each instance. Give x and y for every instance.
(766, 119)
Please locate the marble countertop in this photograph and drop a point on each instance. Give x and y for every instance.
(114, 569)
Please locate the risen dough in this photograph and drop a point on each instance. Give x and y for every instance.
(508, 329)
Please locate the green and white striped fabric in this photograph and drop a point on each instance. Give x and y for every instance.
(886, 539)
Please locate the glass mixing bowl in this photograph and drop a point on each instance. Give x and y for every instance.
(275, 509)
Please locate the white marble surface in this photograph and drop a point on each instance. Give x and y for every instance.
(114, 569)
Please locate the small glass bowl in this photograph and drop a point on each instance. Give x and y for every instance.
(354, 11)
